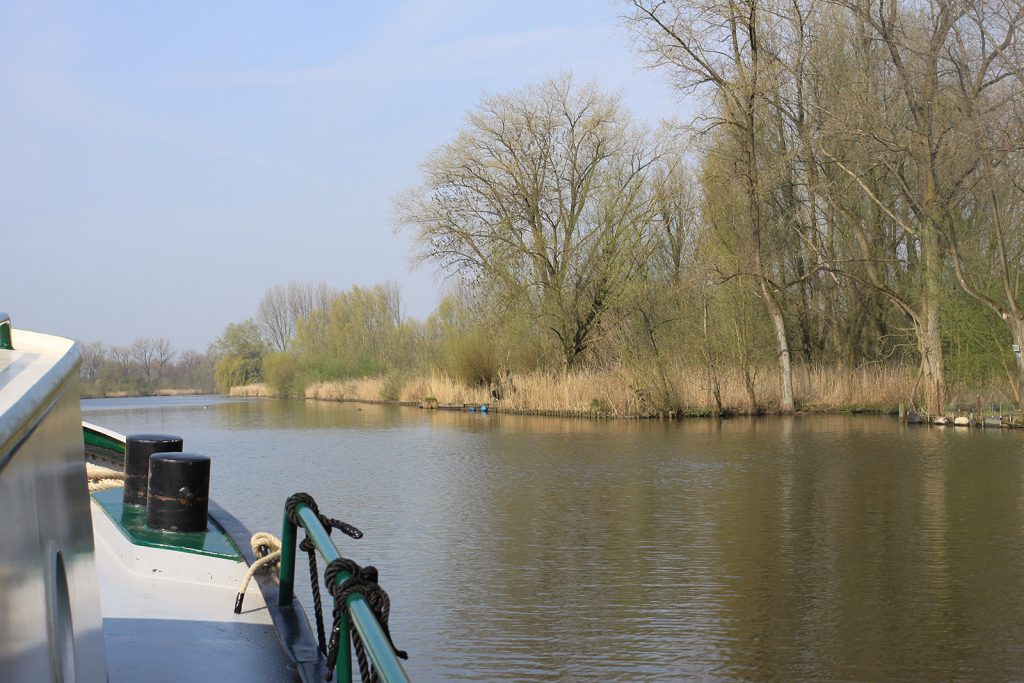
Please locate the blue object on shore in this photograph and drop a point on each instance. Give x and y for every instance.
(472, 409)
(483, 408)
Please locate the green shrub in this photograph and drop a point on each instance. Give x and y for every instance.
(392, 388)
(328, 368)
(471, 357)
(280, 371)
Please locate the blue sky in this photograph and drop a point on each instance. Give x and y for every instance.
(163, 164)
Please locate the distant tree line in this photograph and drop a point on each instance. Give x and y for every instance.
(848, 195)
(144, 367)
(310, 332)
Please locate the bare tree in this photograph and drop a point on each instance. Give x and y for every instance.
(123, 358)
(93, 355)
(284, 305)
(151, 357)
(543, 193)
(194, 369)
(163, 356)
(275, 317)
(143, 354)
(676, 208)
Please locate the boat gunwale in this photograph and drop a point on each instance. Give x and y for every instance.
(290, 621)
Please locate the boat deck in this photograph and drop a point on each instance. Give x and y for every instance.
(168, 615)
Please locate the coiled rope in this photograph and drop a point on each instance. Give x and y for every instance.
(267, 550)
(102, 478)
(363, 581)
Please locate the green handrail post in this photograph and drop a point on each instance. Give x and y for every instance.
(5, 332)
(358, 613)
(286, 580)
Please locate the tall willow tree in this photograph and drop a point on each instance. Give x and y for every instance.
(906, 131)
(358, 332)
(543, 196)
(900, 148)
(239, 353)
(721, 47)
(987, 236)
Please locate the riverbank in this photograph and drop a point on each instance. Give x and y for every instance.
(622, 394)
(130, 394)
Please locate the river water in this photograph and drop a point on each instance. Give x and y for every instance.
(537, 549)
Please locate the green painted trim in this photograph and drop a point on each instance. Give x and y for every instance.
(102, 441)
(102, 447)
(131, 520)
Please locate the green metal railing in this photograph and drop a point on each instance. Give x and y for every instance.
(5, 332)
(357, 614)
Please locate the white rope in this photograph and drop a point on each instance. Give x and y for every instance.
(261, 542)
(102, 478)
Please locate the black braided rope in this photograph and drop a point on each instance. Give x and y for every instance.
(307, 546)
(314, 582)
(362, 580)
(329, 523)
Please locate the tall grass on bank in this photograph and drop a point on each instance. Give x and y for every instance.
(444, 389)
(87, 392)
(437, 386)
(622, 392)
(177, 392)
(360, 389)
(872, 387)
(251, 391)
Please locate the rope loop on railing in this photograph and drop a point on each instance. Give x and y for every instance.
(306, 545)
(362, 580)
(292, 504)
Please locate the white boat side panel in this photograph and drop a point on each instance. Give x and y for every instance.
(168, 616)
(47, 575)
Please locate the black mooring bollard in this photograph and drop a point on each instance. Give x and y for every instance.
(179, 490)
(138, 449)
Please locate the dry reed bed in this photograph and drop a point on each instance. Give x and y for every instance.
(624, 393)
(444, 389)
(177, 392)
(251, 391)
(158, 392)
